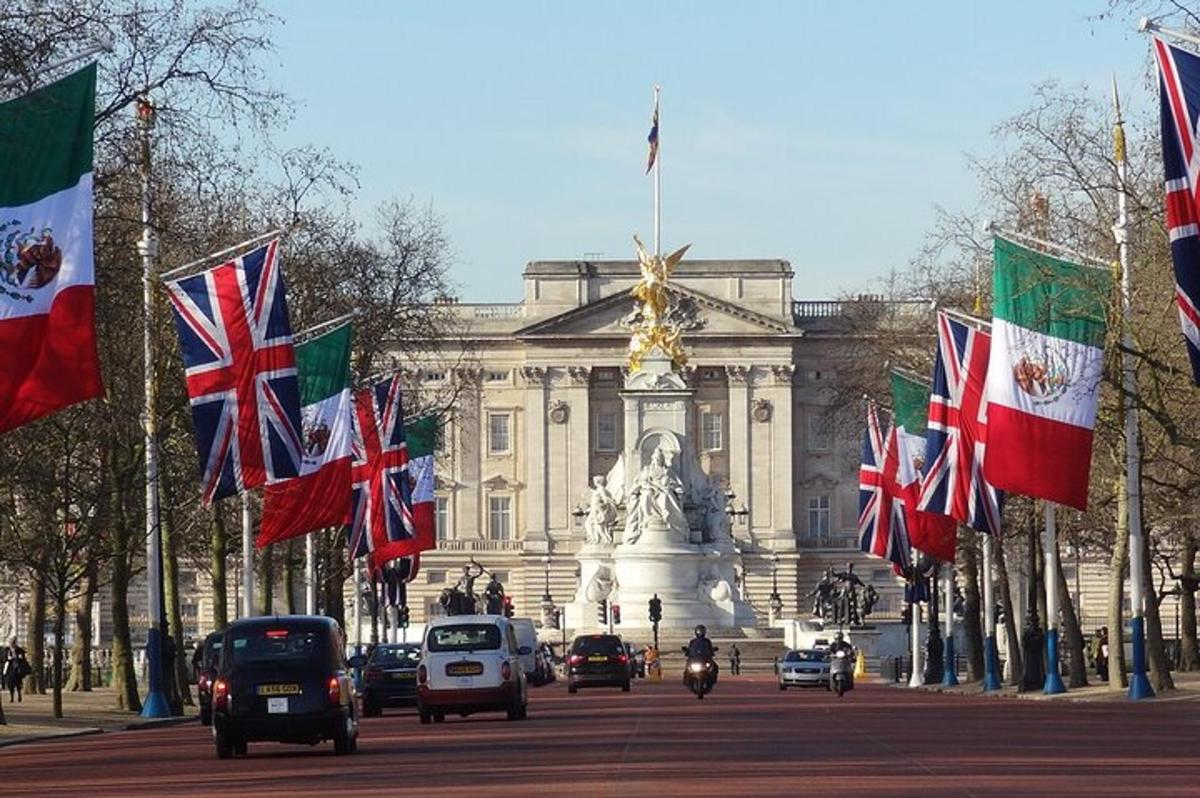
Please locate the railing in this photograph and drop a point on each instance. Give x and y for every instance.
(479, 545)
(828, 543)
(498, 311)
(818, 308)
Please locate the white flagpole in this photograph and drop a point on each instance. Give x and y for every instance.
(658, 177)
(949, 676)
(156, 705)
(357, 566)
(102, 45)
(918, 670)
(1147, 25)
(1054, 683)
(310, 573)
(1139, 685)
(247, 558)
(991, 675)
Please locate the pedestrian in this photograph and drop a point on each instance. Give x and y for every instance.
(15, 670)
(1100, 653)
(735, 661)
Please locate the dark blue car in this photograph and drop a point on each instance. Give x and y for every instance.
(390, 678)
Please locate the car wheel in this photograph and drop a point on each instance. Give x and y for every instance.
(371, 711)
(341, 741)
(224, 745)
(241, 747)
(572, 689)
(782, 686)
(205, 717)
(625, 687)
(440, 717)
(425, 715)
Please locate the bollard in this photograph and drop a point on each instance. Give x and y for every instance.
(860, 665)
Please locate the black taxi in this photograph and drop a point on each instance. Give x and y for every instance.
(284, 679)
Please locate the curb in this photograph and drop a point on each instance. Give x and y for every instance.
(51, 736)
(154, 723)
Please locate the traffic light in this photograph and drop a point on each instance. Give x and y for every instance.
(616, 613)
(602, 612)
(508, 607)
(655, 609)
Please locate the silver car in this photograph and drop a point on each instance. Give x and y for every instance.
(804, 668)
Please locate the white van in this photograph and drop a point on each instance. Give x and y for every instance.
(526, 639)
(471, 663)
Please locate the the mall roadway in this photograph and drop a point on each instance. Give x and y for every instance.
(747, 738)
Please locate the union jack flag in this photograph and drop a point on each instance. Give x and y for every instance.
(881, 527)
(957, 434)
(381, 514)
(240, 367)
(1179, 95)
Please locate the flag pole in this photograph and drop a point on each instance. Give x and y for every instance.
(1139, 685)
(1054, 683)
(247, 557)
(658, 179)
(991, 659)
(949, 676)
(102, 45)
(156, 704)
(356, 564)
(1147, 25)
(310, 573)
(916, 679)
(249, 242)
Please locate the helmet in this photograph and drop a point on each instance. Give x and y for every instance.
(838, 637)
(701, 631)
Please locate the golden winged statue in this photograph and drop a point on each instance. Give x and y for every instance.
(652, 327)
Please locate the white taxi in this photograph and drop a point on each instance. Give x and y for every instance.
(471, 663)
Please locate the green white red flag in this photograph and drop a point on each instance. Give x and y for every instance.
(931, 533)
(320, 495)
(422, 442)
(1044, 370)
(47, 274)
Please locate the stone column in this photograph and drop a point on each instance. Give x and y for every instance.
(579, 438)
(534, 457)
(739, 437)
(779, 393)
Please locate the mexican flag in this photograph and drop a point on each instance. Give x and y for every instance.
(1044, 371)
(47, 277)
(422, 441)
(320, 495)
(931, 533)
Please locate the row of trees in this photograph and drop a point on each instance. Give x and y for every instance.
(72, 515)
(1054, 176)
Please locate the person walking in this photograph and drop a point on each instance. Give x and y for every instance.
(735, 661)
(15, 670)
(1100, 653)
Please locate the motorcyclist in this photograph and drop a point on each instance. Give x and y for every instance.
(840, 644)
(701, 648)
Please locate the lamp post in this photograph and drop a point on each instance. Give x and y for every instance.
(549, 618)
(1032, 639)
(934, 663)
(776, 603)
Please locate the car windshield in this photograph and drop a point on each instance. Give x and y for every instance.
(464, 637)
(805, 656)
(395, 656)
(597, 645)
(277, 647)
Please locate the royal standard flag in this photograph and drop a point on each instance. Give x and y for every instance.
(320, 496)
(1043, 377)
(47, 276)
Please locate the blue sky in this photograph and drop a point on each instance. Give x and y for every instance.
(789, 130)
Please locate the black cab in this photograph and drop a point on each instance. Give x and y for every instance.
(284, 679)
(597, 660)
(206, 673)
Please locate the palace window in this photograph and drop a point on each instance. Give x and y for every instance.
(442, 514)
(497, 376)
(710, 430)
(818, 517)
(817, 428)
(498, 437)
(435, 577)
(500, 518)
(606, 432)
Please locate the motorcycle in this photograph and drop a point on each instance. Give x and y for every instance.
(841, 671)
(700, 674)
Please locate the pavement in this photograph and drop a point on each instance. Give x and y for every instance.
(93, 712)
(745, 739)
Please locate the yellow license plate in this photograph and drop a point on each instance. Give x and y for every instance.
(279, 689)
(597, 659)
(464, 669)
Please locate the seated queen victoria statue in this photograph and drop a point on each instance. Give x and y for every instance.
(656, 498)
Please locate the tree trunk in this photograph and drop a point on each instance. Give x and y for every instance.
(1118, 565)
(1010, 619)
(289, 576)
(266, 581)
(60, 627)
(174, 611)
(1189, 651)
(220, 547)
(81, 651)
(124, 676)
(972, 629)
(333, 578)
(1072, 634)
(1156, 653)
(35, 638)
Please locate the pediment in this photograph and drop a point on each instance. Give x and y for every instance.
(712, 316)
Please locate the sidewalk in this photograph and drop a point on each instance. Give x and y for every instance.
(1187, 689)
(83, 713)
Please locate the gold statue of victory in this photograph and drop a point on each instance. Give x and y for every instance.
(652, 325)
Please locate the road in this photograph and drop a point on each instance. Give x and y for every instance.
(747, 738)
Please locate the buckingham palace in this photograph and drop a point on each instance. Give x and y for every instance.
(538, 413)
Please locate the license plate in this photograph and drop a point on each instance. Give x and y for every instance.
(277, 706)
(403, 677)
(464, 669)
(597, 658)
(279, 689)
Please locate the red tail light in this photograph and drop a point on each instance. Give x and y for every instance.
(575, 659)
(220, 694)
(335, 691)
(624, 660)
(422, 675)
(505, 671)
(373, 674)
(204, 682)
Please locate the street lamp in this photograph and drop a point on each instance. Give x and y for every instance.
(776, 603)
(549, 617)
(546, 572)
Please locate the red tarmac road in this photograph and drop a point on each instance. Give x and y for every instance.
(747, 738)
